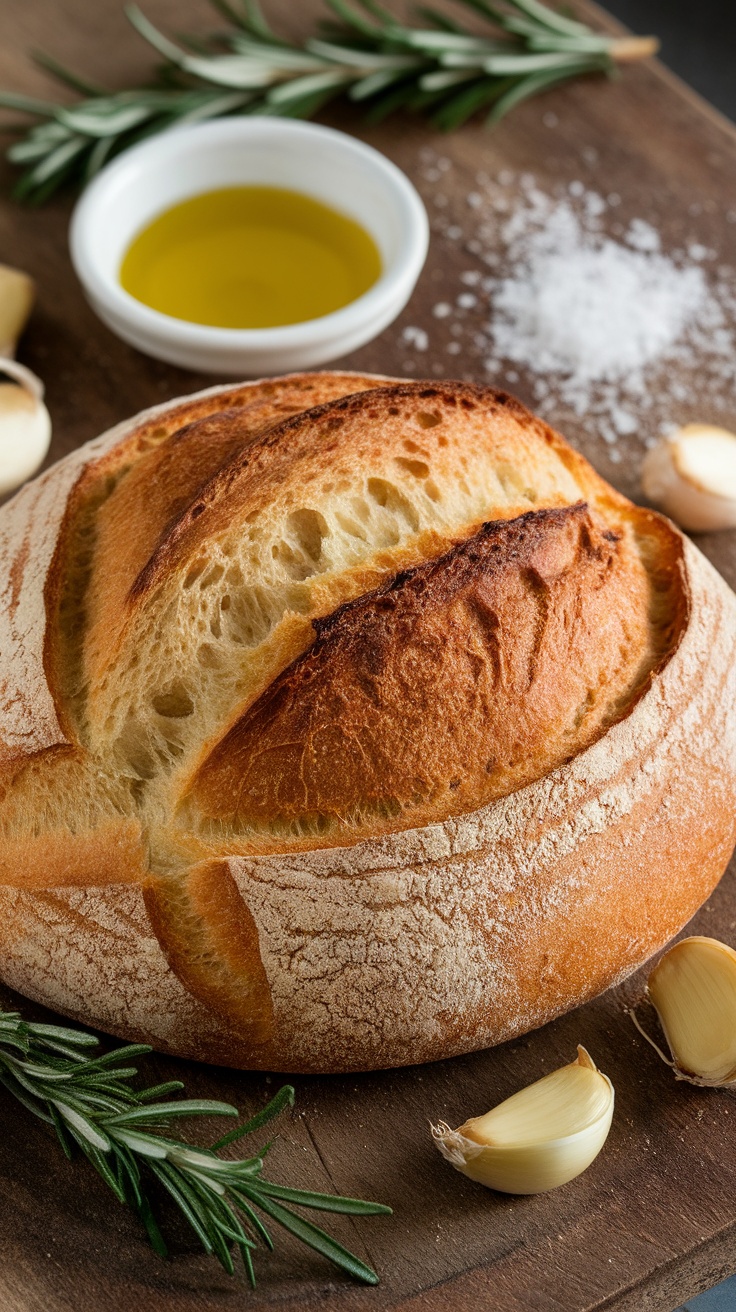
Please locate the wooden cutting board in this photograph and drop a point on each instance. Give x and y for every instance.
(654, 1220)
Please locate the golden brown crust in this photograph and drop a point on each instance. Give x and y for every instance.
(200, 920)
(254, 669)
(167, 485)
(292, 449)
(113, 853)
(452, 685)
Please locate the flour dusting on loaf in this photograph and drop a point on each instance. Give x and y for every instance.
(346, 723)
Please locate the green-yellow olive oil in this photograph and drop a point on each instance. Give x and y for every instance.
(250, 257)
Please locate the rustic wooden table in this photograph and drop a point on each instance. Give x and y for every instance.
(654, 1221)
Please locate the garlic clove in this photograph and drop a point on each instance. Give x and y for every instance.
(17, 292)
(693, 990)
(691, 475)
(539, 1138)
(25, 425)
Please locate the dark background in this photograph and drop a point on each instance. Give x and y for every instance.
(698, 41)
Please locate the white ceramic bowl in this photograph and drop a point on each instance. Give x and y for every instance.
(185, 161)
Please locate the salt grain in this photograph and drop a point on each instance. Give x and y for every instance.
(415, 337)
(642, 236)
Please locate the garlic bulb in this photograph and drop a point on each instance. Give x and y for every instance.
(539, 1138)
(25, 425)
(691, 475)
(693, 989)
(16, 298)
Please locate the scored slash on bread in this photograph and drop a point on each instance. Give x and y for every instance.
(530, 635)
(349, 722)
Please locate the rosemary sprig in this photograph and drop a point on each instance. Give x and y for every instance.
(363, 52)
(90, 1103)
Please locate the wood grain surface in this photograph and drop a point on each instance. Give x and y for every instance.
(654, 1220)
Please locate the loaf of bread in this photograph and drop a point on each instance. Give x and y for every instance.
(347, 723)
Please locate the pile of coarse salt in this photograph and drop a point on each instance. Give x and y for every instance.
(593, 317)
(602, 321)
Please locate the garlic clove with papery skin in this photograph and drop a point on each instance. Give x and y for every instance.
(25, 425)
(540, 1137)
(691, 476)
(17, 292)
(693, 990)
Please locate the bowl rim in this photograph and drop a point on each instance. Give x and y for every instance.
(392, 283)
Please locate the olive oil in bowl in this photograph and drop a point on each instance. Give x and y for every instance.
(250, 257)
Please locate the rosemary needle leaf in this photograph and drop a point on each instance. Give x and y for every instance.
(63, 1048)
(55, 162)
(379, 11)
(100, 1162)
(312, 1235)
(53, 1035)
(230, 13)
(81, 1126)
(252, 1217)
(151, 34)
(155, 1237)
(128, 1172)
(27, 104)
(460, 107)
(371, 85)
(439, 19)
(166, 1111)
(159, 1091)
(532, 85)
(254, 22)
(549, 18)
(323, 1202)
(353, 19)
(185, 1200)
(65, 75)
(306, 86)
(283, 1099)
(385, 105)
(445, 79)
(59, 1127)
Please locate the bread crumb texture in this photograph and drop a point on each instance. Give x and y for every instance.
(346, 723)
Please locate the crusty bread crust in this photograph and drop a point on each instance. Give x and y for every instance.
(437, 903)
(510, 632)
